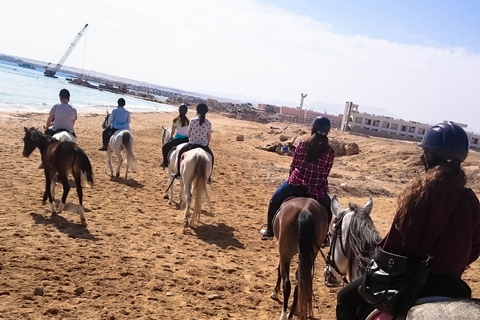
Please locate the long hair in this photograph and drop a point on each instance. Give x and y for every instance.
(317, 145)
(202, 109)
(183, 119)
(445, 175)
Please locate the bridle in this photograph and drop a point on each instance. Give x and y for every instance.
(336, 235)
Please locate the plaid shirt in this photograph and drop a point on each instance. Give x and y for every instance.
(311, 175)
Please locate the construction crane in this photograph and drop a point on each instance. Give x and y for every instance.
(49, 71)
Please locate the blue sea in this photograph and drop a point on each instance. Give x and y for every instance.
(28, 90)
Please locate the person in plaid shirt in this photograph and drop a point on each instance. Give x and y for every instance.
(309, 170)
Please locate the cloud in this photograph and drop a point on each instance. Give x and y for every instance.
(241, 48)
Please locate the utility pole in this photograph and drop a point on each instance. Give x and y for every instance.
(303, 96)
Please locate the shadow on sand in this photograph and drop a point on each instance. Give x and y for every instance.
(73, 230)
(220, 235)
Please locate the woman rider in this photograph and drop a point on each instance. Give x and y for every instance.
(437, 217)
(179, 133)
(309, 170)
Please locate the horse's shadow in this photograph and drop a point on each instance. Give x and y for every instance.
(129, 182)
(220, 235)
(73, 230)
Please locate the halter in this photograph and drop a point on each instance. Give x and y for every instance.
(336, 234)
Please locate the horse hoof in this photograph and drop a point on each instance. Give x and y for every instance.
(44, 202)
(117, 175)
(274, 295)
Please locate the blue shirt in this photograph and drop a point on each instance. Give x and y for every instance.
(120, 119)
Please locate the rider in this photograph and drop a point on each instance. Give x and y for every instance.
(309, 170)
(62, 116)
(199, 134)
(119, 120)
(436, 216)
(180, 125)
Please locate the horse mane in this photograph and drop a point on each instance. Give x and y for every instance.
(362, 238)
(42, 140)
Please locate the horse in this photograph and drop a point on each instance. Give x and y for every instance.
(353, 238)
(59, 157)
(166, 134)
(172, 168)
(196, 165)
(300, 226)
(120, 140)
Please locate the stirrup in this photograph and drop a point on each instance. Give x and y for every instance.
(176, 175)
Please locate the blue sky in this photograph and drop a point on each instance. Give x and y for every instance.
(416, 60)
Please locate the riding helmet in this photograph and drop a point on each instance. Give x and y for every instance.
(446, 140)
(321, 125)
(202, 108)
(183, 108)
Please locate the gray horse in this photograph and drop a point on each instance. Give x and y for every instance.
(353, 238)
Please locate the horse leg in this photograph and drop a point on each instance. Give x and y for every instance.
(181, 197)
(293, 310)
(66, 188)
(277, 286)
(109, 161)
(77, 175)
(188, 200)
(284, 271)
(120, 160)
(47, 193)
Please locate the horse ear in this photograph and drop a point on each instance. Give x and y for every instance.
(26, 129)
(335, 206)
(368, 207)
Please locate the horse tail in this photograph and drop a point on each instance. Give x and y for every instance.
(127, 141)
(306, 261)
(200, 183)
(85, 166)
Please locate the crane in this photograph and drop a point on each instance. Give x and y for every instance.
(49, 71)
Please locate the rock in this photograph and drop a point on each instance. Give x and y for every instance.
(338, 147)
(283, 137)
(79, 291)
(213, 297)
(351, 149)
(240, 137)
(38, 291)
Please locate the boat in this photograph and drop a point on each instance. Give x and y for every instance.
(27, 65)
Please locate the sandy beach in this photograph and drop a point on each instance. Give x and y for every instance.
(133, 261)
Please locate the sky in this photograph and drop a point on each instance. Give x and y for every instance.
(414, 60)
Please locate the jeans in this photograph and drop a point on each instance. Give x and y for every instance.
(167, 147)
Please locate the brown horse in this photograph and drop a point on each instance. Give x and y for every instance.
(59, 157)
(301, 225)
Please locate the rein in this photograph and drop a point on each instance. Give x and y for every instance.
(337, 235)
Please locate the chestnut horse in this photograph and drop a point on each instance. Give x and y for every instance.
(301, 226)
(59, 157)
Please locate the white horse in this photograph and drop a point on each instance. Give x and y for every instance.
(64, 136)
(196, 166)
(172, 168)
(121, 140)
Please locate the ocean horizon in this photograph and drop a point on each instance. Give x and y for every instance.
(27, 90)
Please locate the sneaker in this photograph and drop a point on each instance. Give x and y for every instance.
(326, 242)
(103, 148)
(266, 235)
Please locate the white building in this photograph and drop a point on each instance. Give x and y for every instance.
(388, 127)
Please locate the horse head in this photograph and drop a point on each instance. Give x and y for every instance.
(353, 238)
(166, 134)
(30, 140)
(105, 121)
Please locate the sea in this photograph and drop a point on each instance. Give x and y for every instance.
(26, 90)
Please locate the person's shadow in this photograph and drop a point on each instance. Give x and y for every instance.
(220, 235)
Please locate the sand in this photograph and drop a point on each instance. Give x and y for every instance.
(133, 261)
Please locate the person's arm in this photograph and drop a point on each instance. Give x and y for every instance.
(174, 128)
(49, 121)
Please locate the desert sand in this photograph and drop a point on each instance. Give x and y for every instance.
(132, 261)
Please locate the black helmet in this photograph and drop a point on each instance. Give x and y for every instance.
(183, 108)
(446, 140)
(202, 108)
(321, 125)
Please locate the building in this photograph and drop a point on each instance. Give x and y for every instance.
(388, 127)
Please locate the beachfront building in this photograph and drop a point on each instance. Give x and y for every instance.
(388, 127)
